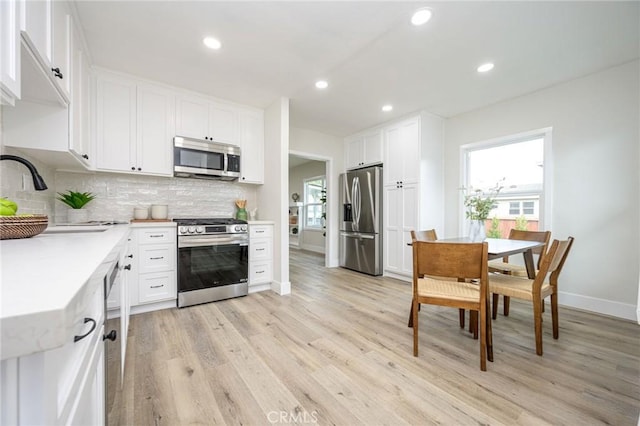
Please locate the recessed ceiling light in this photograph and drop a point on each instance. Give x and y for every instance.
(212, 43)
(321, 84)
(485, 67)
(421, 16)
(387, 108)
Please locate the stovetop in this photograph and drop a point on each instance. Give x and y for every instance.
(192, 221)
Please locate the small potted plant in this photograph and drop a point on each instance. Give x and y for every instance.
(76, 201)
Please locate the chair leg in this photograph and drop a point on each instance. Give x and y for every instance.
(410, 322)
(414, 311)
(473, 323)
(554, 315)
(494, 308)
(483, 338)
(489, 334)
(461, 315)
(505, 308)
(537, 321)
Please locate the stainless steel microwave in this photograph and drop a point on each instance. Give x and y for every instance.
(204, 159)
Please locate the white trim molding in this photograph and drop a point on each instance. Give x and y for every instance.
(601, 306)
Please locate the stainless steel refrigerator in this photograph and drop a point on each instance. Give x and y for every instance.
(361, 220)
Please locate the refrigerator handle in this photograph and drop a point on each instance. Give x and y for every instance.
(356, 200)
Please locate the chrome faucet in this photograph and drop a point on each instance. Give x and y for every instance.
(38, 182)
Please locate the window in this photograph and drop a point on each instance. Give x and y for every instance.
(518, 163)
(314, 197)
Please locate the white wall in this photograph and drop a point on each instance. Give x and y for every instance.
(309, 239)
(595, 122)
(272, 196)
(331, 148)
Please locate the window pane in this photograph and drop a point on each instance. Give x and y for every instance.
(527, 207)
(514, 208)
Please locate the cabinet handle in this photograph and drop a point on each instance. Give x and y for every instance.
(259, 232)
(156, 258)
(259, 272)
(157, 286)
(130, 256)
(57, 73)
(113, 335)
(93, 327)
(133, 168)
(156, 236)
(127, 267)
(85, 156)
(139, 168)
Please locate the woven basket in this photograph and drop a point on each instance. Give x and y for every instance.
(12, 227)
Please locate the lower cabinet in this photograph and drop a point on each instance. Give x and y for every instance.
(154, 280)
(260, 257)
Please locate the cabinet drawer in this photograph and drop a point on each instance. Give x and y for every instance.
(260, 231)
(260, 272)
(156, 236)
(260, 249)
(156, 258)
(157, 286)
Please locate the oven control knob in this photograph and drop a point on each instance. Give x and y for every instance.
(192, 229)
(243, 228)
(183, 229)
(237, 228)
(200, 229)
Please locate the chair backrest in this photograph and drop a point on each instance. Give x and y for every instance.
(450, 259)
(426, 235)
(553, 262)
(539, 236)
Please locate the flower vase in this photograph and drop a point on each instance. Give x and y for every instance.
(241, 214)
(477, 232)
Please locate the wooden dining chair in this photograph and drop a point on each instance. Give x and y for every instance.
(440, 272)
(504, 267)
(536, 290)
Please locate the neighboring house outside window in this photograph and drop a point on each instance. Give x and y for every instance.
(313, 205)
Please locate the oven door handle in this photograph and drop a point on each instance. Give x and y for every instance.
(203, 242)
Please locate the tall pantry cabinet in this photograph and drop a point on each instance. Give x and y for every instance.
(413, 186)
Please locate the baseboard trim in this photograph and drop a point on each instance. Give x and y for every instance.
(281, 288)
(148, 307)
(315, 249)
(600, 306)
(259, 287)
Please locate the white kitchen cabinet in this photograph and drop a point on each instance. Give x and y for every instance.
(201, 118)
(400, 218)
(134, 127)
(154, 277)
(402, 152)
(9, 51)
(413, 196)
(364, 149)
(251, 125)
(36, 26)
(61, 49)
(260, 257)
(79, 137)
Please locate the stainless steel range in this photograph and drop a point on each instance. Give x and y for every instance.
(213, 256)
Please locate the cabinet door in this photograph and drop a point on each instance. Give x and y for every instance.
(251, 147)
(354, 152)
(61, 45)
(90, 405)
(394, 156)
(9, 51)
(116, 125)
(79, 106)
(393, 228)
(192, 117)
(155, 130)
(372, 148)
(409, 212)
(410, 152)
(223, 124)
(36, 25)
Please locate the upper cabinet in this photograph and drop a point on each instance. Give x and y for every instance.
(200, 118)
(251, 125)
(9, 52)
(402, 152)
(364, 149)
(79, 138)
(62, 46)
(134, 127)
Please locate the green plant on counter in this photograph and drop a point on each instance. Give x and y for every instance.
(494, 231)
(521, 223)
(75, 200)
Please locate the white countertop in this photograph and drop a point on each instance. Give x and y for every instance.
(260, 222)
(45, 281)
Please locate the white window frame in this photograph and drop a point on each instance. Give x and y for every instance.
(546, 197)
(305, 205)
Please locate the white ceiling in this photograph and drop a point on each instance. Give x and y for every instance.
(367, 51)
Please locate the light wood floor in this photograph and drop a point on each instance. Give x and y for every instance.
(338, 351)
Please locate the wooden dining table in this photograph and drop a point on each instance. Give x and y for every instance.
(498, 248)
